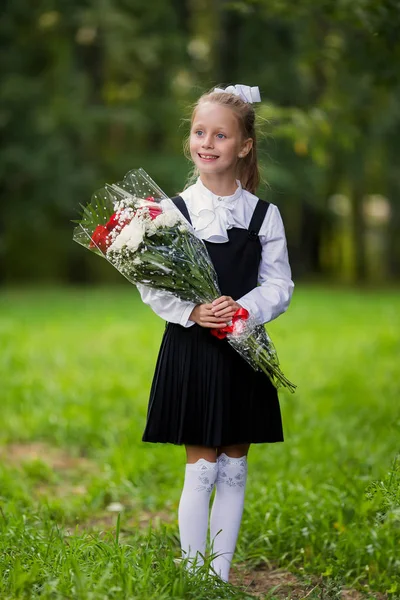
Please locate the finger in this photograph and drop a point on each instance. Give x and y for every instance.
(221, 299)
(225, 314)
(223, 308)
(213, 325)
(220, 306)
(212, 319)
(208, 316)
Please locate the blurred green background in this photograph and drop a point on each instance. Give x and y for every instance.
(90, 90)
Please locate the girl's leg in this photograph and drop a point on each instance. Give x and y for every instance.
(200, 475)
(227, 509)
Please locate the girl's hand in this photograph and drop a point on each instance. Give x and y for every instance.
(224, 307)
(204, 315)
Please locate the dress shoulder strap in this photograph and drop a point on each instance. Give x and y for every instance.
(257, 219)
(181, 205)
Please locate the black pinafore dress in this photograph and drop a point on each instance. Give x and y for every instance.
(203, 392)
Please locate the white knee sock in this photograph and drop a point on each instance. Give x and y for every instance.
(227, 510)
(194, 506)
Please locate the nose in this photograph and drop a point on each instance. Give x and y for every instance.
(207, 142)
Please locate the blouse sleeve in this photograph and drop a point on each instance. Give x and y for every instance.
(272, 297)
(167, 306)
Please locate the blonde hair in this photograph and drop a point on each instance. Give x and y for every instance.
(247, 167)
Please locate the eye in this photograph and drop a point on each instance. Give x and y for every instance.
(198, 133)
(221, 136)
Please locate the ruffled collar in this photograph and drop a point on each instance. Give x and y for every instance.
(212, 214)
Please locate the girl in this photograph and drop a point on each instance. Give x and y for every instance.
(204, 395)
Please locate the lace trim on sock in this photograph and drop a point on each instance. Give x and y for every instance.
(224, 459)
(202, 465)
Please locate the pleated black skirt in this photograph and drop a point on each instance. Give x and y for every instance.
(204, 393)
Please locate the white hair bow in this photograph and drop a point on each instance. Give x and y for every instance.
(245, 92)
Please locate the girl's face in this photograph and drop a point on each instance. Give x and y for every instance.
(216, 140)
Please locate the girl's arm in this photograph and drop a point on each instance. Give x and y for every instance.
(273, 295)
(167, 306)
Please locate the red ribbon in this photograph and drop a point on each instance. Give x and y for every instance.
(240, 315)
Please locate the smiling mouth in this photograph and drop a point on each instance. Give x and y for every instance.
(208, 156)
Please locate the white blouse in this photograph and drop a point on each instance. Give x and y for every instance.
(211, 217)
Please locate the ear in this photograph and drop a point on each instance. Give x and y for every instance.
(245, 148)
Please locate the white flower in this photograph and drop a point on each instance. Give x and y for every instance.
(169, 218)
(124, 214)
(115, 507)
(151, 228)
(130, 237)
(123, 204)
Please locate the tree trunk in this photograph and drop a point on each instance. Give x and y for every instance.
(393, 234)
(227, 45)
(393, 194)
(360, 266)
(311, 228)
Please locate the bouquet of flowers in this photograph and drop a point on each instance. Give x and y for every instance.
(140, 231)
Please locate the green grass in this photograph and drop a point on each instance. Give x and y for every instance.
(75, 371)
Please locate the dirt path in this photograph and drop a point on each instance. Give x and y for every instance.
(281, 584)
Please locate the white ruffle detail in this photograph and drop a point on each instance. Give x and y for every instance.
(213, 214)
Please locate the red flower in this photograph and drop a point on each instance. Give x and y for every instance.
(154, 211)
(115, 220)
(100, 238)
(112, 222)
